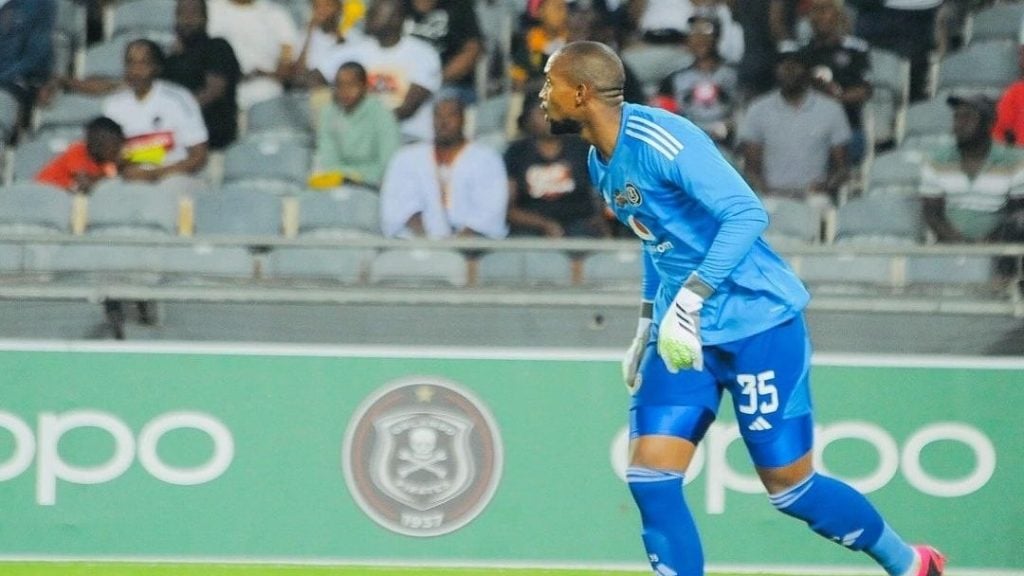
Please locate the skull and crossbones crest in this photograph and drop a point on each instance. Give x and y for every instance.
(422, 454)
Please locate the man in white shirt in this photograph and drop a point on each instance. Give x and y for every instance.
(263, 36)
(450, 187)
(162, 121)
(404, 71)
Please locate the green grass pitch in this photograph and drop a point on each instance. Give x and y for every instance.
(119, 569)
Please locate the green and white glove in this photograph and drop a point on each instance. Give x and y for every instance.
(679, 342)
(635, 353)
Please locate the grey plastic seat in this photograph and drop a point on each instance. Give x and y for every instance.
(930, 117)
(892, 170)
(613, 270)
(68, 111)
(94, 263)
(32, 155)
(106, 59)
(126, 208)
(990, 64)
(791, 221)
(319, 265)
(490, 115)
(288, 112)
(998, 22)
(419, 268)
(268, 156)
(524, 268)
(890, 82)
(241, 209)
(652, 63)
(201, 264)
(10, 258)
(846, 274)
(138, 16)
(339, 211)
(8, 115)
(28, 207)
(880, 218)
(951, 275)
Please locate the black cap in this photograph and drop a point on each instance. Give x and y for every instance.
(985, 106)
(788, 50)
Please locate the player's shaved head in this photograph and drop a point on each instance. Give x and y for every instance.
(592, 64)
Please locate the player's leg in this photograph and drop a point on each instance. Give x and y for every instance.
(771, 397)
(668, 418)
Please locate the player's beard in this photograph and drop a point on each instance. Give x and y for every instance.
(566, 126)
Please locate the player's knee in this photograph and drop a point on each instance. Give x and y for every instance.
(662, 453)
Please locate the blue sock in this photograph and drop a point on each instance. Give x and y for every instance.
(670, 535)
(835, 510)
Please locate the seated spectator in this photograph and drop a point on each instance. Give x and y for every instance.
(1009, 125)
(549, 187)
(324, 33)
(404, 71)
(357, 134)
(87, 162)
(592, 24)
(839, 67)
(706, 91)
(208, 68)
(263, 36)
(452, 28)
(794, 138)
(973, 191)
(667, 22)
(451, 187)
(161, 120)
(538, 42)
(26, 49)
(765, 24)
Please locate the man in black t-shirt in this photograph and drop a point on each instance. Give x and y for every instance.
(208, 68)
(549, 188)
(452, 28)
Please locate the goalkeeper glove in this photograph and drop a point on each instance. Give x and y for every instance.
(631, 362)
(679, 332)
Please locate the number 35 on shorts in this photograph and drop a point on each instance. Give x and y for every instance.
(759, 393)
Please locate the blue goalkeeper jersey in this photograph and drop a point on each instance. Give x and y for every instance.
(668, 182)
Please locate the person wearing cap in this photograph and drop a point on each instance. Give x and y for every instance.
(973, 191)
(794, 139)
(1009, 127)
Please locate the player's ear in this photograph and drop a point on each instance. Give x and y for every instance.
(581, 93)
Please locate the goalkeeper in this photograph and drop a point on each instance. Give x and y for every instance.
(721, 311)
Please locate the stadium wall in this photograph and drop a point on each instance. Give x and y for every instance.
(454, 455)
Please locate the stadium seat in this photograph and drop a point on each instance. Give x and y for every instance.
(954, 275)
(613, 270)
(846, 274)
(141, 16)
(32, 155)
(126, 208)
(998, 22)
(319, 265)
(652, 63)
(496, 141)
(68, 111)
(268, 157)
(27, 207)
(889, 219)
(992, 65)
(201, 264)
(339, 212)
(791, 221)
(10, 259)
(106, 59)
(893, 170)
(490, 115)
(289, 112)
(928, 118)
(521, 268)
(890, 81)
(419, 268)
(93, 263)
(239, 209)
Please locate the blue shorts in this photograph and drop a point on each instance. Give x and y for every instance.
(767, 377)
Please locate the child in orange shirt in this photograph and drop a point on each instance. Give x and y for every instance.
(84, 163)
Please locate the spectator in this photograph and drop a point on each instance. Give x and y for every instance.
(765, 24)
(706, 91)
(162, 121)
(591, 24)
(539, 41)
(208, 68)
(87, 162)
(549, 187)
(26, 50)
(451, 187)
(357, 134)
(839, 66)
(667, 22)
(263, 36)
(404, 71)
(323, 34)
(1009, 125)
(906, 27)
(973, 191)
(794, 138)
(452, 28)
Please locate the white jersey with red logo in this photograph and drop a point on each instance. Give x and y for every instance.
(161, 126)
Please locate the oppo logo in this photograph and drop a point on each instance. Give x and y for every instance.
(42, 446)
(720, 477)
